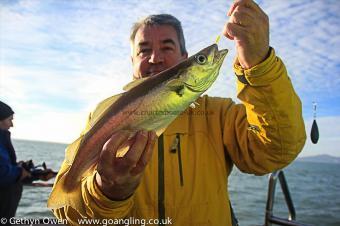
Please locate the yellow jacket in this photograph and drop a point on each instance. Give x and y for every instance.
(187, 178)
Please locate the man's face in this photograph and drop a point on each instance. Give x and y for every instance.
(6, 123)
(155, 49)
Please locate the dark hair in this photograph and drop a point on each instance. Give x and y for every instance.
(161, 19)
(5, 111)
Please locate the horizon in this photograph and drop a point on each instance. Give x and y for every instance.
(60, 58)
(53, 142)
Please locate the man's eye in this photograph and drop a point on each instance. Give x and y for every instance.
(144, 51)
(168, 48)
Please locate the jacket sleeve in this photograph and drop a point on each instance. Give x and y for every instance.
(266, 132)
(9, 173)
(91, 203)
(87, 201)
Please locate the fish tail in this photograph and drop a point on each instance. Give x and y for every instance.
(87, 156)
(70, 181)
(64, 193)
(73, 176)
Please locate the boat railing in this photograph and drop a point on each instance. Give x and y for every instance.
(270, 219)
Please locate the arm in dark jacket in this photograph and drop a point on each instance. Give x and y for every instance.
(9, 173)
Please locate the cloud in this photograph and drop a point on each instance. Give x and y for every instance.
(38, 124)
(59, 58)
(307, 36)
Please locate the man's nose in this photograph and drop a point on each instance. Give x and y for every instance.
(156, 57)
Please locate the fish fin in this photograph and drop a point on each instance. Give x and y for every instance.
(72, 149)
(134, 83)
(59, 197)
(80, 160)
(101, 109)
(67, 185)
(176, 85)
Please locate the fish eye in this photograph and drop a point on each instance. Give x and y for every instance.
(201, 59)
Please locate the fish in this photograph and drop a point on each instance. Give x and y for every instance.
(149, 104)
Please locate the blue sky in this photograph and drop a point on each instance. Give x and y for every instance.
(59, 58)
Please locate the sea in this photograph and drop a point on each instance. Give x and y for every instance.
(314, 188)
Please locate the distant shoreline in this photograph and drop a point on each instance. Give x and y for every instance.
(320, 159)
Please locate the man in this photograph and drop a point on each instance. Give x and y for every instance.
(183, 175)
(11, 174)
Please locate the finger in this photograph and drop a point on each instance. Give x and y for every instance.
(226, 33)
(146, 155)
(137, 148)
(241, 17)
(116, 140)
(246, 3)
(246, 12)
(235, 31)
(255, 6)
(125, 146)
(108, 165)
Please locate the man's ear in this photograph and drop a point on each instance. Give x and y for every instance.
(185, 56)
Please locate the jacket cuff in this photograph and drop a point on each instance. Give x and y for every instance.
(261, 74)
(103, 203)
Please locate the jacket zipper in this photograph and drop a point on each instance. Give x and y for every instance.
(176, 147)
(179, 160)
(161, 206)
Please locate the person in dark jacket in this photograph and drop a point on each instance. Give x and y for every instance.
(11, 173)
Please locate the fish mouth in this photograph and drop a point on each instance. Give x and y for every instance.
(220, 55)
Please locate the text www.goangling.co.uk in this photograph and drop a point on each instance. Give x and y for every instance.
(125, 221)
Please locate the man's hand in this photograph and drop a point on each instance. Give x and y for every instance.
(24, 174)
(118, 177)
(248, 26)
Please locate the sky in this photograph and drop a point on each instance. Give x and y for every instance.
(59, 58)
